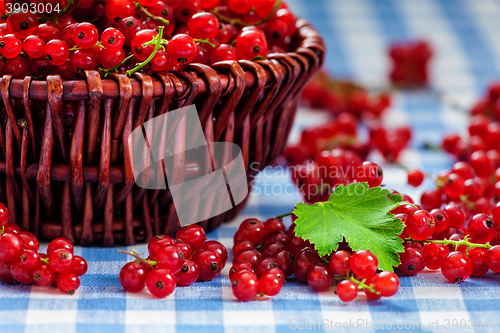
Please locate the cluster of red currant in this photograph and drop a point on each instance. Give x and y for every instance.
(266, 253)
(410, 62)
(437, 241)
(331, 154)
(184, 261)
(338, 96)
(127, 36)
(21, 262)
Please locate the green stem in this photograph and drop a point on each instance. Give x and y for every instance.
(75, 48)
(453, 243)
(138, 257)
(362, 285)
(204, 41)
(45, 260)
(237, 21)
(58, 16)
(2, 230)
(144, 63)
(114, 68)
(151, 16)
(284, 215)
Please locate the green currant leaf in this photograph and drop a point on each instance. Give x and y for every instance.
(361, 216)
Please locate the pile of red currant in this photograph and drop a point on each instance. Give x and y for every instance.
(183, 261)
(337, 96)
(21, 262)
(410, 63)
(264, 254)
(331, 154)
(148, 35)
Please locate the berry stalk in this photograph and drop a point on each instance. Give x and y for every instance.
(237, 21)
(362, 285)
(138, 257)
(65, 10)
(144, 63)
(148, 14)
(454, 243)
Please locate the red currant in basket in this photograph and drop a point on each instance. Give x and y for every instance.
(161, 282)
(203, 25)
(140, 51)
(10, 46)
(82, 60)
(111, 57)
(420, 225)
(240, 6)
(245, 285)
(160, 61)
(85, 35)
(182, 48)
(251, 44)
(185, 10)
(481, 228)
(209, 264)
(133, 276)
(363, 263)
(119, 9)
(11, 247)
(22, 24)
(4, 215)
(56, 52)
(456, 267)
(34, 46)
(193, 234)
(370, 172)
(223, 52)
(112, 38)
(347, 290)
(320, 277)
(188, 274)
(68, 282)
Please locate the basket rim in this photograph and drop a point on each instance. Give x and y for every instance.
(78, 90)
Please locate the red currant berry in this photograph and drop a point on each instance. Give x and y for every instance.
(112, 38)
(478, 257)
(320, 277)
(481, 164)
(160, 61)
(157, 242)
(370, 172)
(61, 260)
(170, 257)
(20, 273)
(30, 259)
(454, 186)
(253, 230)
(188, 274)
(238, 267)
(386, 283)
(430, 200)
(34, 46)
(347, 290)
(263, 8)
(203, 25)
(68, 282)
(85, 35)
(56, 52)
(182, 48)
(223, 52)
(82, 60)
(185, 248)
(110, 57)
(412, 260)
(209, 264)
(22, 24)
(441, 220)
(227, 33)
(140, 51)
(185, 10)
(119, 9)
(80, 266)
(30, 241)
(271, 282)
(245, 285)
(242, 245)
(10, 46)
(456, 267)
(303, 261)
(276, 236)
(251, 44)
(129, 26)
(363, 263)
(372, 281)
(473, 189)
(493, 258)
(11, 247)
(240, 6)
(271, 248)
(415, 177)
(43, 275)
(5, 275)
(161, 282)
(193, 234)
(434, 254)
(4, 215)
(12, 228)
(273, 225)
(420, 225)
(218, 248)
(455, 215)
(264, 265)
(285, 262)
(133, 276)
(287, 16)
(481, 228)
(340, 263)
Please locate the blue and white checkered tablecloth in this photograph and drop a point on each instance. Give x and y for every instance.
(465, 36)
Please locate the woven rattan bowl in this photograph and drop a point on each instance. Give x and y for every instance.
(76, 182)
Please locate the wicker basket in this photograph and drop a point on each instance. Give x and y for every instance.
(83, 189)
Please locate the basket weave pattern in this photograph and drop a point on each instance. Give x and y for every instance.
(83, 188)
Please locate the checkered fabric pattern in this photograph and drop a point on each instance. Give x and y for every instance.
(467, 45)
